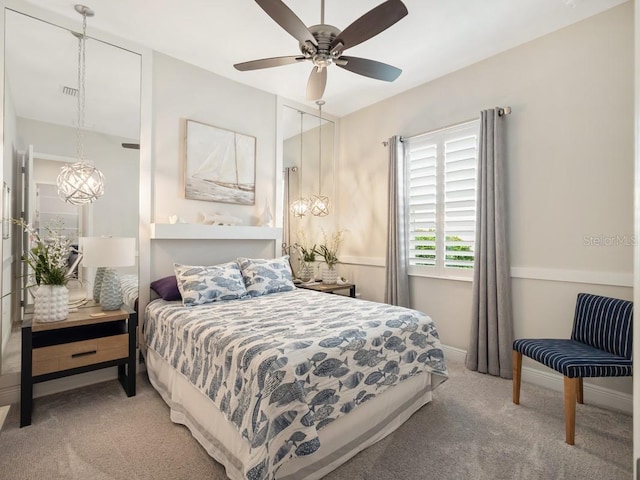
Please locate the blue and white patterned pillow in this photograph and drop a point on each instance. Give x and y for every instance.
(199, 285)
(266, 276)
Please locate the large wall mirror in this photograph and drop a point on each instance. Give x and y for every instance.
(40, 119)
(309, 162)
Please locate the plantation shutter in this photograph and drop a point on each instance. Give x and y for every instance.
(460, 165)
(442, 199)
(422, 202)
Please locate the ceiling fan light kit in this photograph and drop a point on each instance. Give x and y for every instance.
(324, 44)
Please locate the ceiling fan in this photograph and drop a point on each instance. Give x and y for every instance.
(324, 44)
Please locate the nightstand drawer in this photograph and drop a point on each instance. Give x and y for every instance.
(78, 354)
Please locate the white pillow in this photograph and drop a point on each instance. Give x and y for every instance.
(199, 285)
(262, 276)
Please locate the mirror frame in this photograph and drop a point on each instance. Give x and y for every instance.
(10, 383)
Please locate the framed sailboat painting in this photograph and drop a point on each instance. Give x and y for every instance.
(220, 165)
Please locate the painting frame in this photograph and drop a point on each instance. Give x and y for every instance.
(219, 164)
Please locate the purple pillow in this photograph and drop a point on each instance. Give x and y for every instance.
(167, 288)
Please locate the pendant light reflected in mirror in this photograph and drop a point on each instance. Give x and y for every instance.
(300, 207)
(81, 183)
(319, 202)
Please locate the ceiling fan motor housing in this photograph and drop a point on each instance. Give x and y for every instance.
(321, 55)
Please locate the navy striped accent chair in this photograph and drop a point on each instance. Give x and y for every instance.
(600, 346)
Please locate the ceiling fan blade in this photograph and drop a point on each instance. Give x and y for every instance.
(134, 146)
(370, 24)
(288, 20)
(369, 68)
(268, 63)
(317, 83)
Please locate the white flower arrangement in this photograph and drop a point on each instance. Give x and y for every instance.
(49, 257)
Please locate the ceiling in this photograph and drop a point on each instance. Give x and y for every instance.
(41, 59)
(436, 38)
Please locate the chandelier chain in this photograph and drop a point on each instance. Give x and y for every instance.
(320, 150)
(80, 183)
(301, 134)
(81, 88)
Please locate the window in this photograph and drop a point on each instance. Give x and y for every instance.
(442, 200)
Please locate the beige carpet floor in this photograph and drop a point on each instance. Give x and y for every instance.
(471, 430)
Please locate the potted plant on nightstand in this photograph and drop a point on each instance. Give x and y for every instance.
(306, 256)
(328, 250)
(49, 262)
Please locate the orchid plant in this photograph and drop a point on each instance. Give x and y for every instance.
(307, 253)
(49, 256)
(328, 249)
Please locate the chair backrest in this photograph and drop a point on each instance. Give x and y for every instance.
(605, 323)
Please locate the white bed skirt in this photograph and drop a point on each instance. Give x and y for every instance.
(340, 440)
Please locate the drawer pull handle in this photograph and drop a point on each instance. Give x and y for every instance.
(84, 354)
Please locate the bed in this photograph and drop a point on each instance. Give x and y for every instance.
(129, 287)
(293, 383)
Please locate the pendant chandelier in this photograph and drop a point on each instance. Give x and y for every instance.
(320, 203)
(81, 183)
(300, 207)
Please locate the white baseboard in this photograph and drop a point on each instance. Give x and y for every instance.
(10, 395)
(593, 394)
(3, 414)
(455, 354)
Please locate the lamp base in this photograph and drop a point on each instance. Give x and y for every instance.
(110, 291)
(97, 283)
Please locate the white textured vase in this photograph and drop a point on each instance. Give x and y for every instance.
(306, 272)
(51, 303)
(329, 274)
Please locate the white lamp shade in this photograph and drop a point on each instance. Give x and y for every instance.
(108, 251)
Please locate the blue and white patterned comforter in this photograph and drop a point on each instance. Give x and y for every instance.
(129, 286)
(283, 366)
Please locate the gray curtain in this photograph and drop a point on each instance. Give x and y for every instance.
(396, 290)
(490, 345)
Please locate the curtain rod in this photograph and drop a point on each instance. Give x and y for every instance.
(502, 111)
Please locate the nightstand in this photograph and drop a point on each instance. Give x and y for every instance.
(329, 288)
(87, 340)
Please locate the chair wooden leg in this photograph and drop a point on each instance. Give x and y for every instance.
(580, 393)
(570, 397)
(517, 375)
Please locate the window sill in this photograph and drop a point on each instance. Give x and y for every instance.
(442, 277)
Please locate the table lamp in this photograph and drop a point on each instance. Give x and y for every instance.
(107, 253)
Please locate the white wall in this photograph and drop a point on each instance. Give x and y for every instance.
(182, 91)
(570, 174)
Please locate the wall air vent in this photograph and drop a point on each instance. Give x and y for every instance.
(72, 92)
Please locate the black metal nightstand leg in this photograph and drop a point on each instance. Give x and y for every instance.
(352, 291)
(26, 382)
(127, 373)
